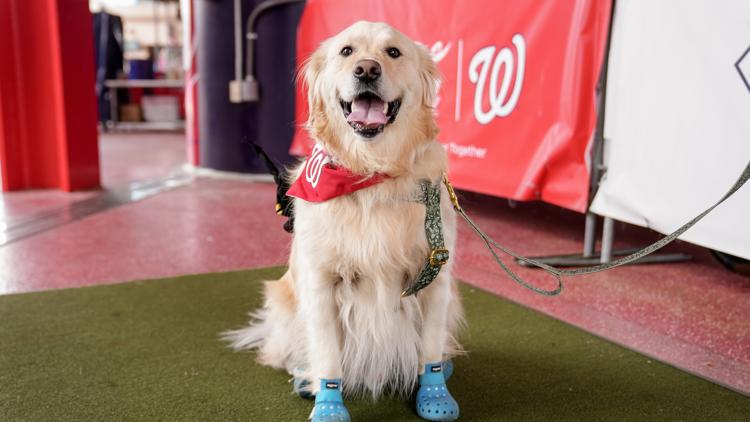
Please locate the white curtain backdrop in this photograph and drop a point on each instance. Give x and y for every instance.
(677, 122)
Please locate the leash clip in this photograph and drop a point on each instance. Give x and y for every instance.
(451, 193)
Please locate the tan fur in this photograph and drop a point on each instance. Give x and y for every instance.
(337, 312)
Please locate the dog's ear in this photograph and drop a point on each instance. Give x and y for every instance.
(429, 76)
(310, 72)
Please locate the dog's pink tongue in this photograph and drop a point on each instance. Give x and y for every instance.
(368, 111)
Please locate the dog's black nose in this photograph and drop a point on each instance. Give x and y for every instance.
(367, 70)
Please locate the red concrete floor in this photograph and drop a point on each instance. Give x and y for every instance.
(693, 315)
(16, 207)
(124, 158)
(128, 157)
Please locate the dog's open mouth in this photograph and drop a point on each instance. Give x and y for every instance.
(368, 115)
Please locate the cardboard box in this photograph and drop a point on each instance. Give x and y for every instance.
(130, 113)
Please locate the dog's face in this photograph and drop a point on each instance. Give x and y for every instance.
(371, 91)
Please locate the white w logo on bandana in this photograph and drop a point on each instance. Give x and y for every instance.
(315, 163)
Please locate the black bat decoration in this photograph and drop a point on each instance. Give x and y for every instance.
(284, 204)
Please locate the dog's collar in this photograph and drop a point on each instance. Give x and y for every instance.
(322, 180)
(429, 196)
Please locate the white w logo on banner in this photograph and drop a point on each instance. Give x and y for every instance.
(314, 166)
(500, 104)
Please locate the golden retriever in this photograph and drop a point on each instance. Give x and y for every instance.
(337, 313)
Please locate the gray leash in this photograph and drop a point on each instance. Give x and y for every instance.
(559, 273)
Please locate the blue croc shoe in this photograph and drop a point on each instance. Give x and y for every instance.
(434, 401)
(447, 369)
(299, 386)
(329, 403)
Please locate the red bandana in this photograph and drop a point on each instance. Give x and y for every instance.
(321, 180)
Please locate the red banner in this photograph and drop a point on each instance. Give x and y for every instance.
(516, 106)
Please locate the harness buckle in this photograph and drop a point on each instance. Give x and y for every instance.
(439, 256)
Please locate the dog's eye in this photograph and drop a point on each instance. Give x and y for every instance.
(393, 52)
(346, 51)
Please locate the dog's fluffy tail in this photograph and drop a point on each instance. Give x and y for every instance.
(273, 328)
(253, 335)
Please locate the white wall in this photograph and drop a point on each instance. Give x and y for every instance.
(140, 19)
(677, 123)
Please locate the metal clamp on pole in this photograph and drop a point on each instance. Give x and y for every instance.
(247, 89)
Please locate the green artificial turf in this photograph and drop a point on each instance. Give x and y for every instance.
(149, 351)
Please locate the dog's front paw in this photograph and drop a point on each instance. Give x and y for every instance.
(329, 403)
(434, 401)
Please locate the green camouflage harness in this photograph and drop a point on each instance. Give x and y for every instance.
(429, 196)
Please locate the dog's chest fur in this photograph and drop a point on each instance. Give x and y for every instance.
(371, 245)
(373, 233)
